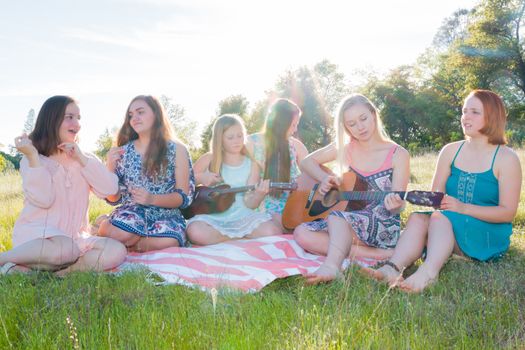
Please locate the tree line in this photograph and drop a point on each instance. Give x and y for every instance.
(420, 104)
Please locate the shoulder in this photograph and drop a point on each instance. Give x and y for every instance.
(179, 148)
(205, 158)
(507, 157)
(298, 145)
(451, 148)
(400, 153)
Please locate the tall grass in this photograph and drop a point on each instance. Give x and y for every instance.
(473, 305)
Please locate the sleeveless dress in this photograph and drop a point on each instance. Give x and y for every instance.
(239, 220)
(374, 225)
(478, 239)
(272, 204)
(150, 220)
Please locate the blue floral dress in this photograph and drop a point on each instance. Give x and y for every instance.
(149, 220)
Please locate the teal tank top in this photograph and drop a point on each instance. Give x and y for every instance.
(478, 239)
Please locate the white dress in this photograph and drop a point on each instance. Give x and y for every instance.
(239, 220)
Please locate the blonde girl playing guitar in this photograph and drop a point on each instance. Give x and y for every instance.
(362, 147)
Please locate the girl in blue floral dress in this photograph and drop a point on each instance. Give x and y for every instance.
(156, 179)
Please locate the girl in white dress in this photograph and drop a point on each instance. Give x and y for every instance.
(229, 163)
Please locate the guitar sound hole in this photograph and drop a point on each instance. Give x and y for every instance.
(330, 198)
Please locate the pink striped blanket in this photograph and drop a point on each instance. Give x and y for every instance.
(246, 265)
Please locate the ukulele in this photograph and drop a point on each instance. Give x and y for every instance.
(307, 204)
(217, 199)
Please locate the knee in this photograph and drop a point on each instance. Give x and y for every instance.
(334, 220)
(418, 219)
(196, 234)
(114, 253)
(302, 236)
(274, 230)
(64, 255)
(104, 228)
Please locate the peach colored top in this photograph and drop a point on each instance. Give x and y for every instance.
(57, 198)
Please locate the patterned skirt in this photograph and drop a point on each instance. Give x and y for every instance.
(150, 221)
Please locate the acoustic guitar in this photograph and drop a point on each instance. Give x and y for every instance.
(217, 199)
(306, 203)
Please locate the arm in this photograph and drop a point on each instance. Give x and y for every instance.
(300, 148)
(103, 182)
(312, 166)
(508, 171)
(442, 172)
(37, 183)
(254, 198)
(179, 198)
(400, 178)
(203, 176)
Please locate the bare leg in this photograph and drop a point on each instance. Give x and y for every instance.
(268, 228)
(106, 254)
(106, 229)
(43, 254)
(201, 233)
(440, 245)
(409, 248)
(317, 242)
(145, 244)
(341, 235)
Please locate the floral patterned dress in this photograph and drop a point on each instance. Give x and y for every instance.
(272, 204)
(374, 225)
(150, 220)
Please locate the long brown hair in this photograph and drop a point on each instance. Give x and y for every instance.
(45, 135)
(278, 120)
(223, 123)
(155, 160)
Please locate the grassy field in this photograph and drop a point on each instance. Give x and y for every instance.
(473, 306)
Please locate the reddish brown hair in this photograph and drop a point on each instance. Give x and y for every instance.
(494, 114)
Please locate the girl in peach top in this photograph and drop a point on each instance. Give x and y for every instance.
(52, 230)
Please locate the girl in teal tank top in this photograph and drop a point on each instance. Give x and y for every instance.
(476, 238)
(482, 181)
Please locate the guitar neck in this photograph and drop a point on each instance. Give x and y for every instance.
(368, 195)
(278, 185)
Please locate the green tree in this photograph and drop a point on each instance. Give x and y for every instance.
(105, 142)
(182, 126)
(29, 124)
(234, 104)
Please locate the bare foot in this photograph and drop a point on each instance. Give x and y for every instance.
(96, 225)
(385, 273)
(325, 273)
(418, 281)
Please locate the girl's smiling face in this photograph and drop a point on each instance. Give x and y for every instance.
(70, 126)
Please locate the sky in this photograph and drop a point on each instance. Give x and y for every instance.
(105, 52)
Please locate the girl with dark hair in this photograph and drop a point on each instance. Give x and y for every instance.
(156, 179)
(52, 232)
(482, 179)
(278, 152)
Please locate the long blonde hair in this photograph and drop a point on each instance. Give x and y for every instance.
(223, 123)
(343, 135)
